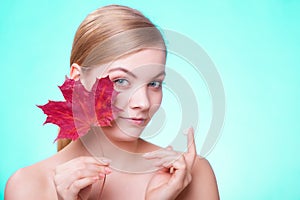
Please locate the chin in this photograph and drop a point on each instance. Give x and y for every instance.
(129, 133)
(123, 132)
(125, 138)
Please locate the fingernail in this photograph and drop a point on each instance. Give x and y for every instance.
(107, 170)
(146, 154)
(106, 160)
(101, 175)
(169, 148)
(172, 170)
(186, 131)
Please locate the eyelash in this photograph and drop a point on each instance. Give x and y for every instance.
(159, 84)
(117, 82)
(120, 83)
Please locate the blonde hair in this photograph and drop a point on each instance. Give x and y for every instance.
(109, 33)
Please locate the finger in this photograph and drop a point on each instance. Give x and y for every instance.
(191, 153)
(80, 184)
(103, 160)
(191, 141)
(68, 177)
(160, 153)
(164, 162)
(169, 148)
(82, 173)
(80, 167)
(176, 163)
(180, 171)
(83, 161)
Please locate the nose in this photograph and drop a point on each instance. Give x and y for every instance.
(139, 99)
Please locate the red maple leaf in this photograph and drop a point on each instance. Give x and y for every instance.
(82, 108)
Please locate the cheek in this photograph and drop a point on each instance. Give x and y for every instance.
(155, 99)
(121, 99)
(155, 96)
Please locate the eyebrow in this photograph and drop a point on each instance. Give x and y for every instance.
(160, 74)
(132, 74)
(124, 70)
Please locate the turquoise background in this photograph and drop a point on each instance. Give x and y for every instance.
(254, 44)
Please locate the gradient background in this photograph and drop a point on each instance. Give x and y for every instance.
(254, 44)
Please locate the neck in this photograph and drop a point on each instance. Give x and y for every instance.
(120, 139)
(130, 145)
(125, 155)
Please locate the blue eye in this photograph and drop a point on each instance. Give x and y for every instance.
(121, 82)
(155, 84)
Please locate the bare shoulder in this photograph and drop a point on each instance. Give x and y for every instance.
(203, 184)
(32, 182)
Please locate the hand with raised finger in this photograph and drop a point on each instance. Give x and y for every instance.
(74, 179)
(175, 173)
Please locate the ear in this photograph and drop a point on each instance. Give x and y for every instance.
(75, 71)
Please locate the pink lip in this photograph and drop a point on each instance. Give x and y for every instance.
(136, 121)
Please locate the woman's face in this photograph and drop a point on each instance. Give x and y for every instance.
(138, 79)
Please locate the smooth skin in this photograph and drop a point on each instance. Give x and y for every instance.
(74, 174)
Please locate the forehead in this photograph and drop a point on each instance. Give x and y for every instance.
(144, 61)
(141, 58)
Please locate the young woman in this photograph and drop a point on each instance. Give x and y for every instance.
(121, 43)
